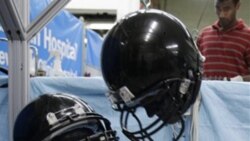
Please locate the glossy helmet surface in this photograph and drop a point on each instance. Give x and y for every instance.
(149, 59)
(61, 117)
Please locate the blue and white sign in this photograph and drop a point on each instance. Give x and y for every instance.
(59, 44)
(3, 50)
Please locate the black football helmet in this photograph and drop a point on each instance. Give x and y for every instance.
(150, 60)
(61, 117)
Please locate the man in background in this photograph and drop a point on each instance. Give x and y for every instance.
(226, 45)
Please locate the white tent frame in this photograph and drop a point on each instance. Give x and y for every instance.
(14, 18)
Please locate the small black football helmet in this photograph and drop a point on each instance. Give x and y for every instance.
(61, 117)
(150, 60)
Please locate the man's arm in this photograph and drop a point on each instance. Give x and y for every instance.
(246, 78)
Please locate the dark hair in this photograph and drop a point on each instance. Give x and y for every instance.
(234, 1)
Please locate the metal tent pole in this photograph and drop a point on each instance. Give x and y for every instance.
(12, 24)
(84, 47)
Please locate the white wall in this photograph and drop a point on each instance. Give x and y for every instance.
(118, 7)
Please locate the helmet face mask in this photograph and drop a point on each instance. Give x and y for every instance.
(150, 60)
(53, 117)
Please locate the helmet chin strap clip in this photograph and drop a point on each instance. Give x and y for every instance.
(184, 86)
(120, 98)
(54, 118)
(114, 99)
(126, 95)
(51, 118)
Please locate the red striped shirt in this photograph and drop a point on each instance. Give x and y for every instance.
(227, 52)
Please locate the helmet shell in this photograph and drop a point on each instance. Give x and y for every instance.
(73, 119)
(146, 47)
